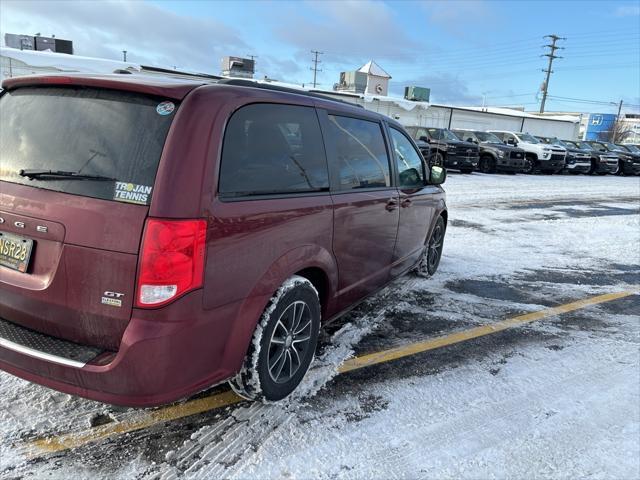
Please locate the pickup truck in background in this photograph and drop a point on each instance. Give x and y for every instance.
(602, 162)
(628, 162)
(539, 156)
(578, 159)
(447, 149)
(495, 156)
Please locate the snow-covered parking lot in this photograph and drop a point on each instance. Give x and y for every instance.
(553, 397)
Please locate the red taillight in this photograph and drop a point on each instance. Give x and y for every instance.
(171, 260)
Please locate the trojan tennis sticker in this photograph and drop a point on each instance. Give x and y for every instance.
(132, 193)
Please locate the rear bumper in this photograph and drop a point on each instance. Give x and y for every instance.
(165, 355)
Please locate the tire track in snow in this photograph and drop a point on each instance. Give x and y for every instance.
(216, 451)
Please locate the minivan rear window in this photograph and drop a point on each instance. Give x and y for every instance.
(113, 135)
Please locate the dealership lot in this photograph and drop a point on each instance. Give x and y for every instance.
(555, 397)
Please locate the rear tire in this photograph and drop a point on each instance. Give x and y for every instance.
(430, 260)
(283, 344)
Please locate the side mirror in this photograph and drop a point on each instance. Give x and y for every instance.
(425, 139)
(438, 175)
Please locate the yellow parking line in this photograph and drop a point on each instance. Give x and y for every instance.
(68, 441)
(445, 340)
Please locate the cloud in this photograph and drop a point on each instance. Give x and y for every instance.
(627, 11)
(349, 33)
(344, 30)
(150, 34)
(456, 17)
(445, 88)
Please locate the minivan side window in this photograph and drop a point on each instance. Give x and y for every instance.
(273, 149)
(361, 156)
(410, 170)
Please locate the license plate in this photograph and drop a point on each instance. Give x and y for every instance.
(15, 251)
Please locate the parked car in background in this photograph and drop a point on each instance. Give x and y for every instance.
(578, 160)
(160, 236)
(635, 152)
(495, 156)
(539, 156)
(601, 162)
(627, 161)
(631, 146)
(447, 149)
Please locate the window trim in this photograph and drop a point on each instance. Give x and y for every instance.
(231, 197)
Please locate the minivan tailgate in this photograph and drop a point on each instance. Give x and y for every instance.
(77, 171)
(81, 277)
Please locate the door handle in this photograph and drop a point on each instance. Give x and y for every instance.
(391, 205)
(405, 203)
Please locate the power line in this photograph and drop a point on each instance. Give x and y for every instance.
(583, 100)
(315, 66)
(552, 50)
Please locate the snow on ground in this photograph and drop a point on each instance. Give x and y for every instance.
(536, 418)
(555, 399)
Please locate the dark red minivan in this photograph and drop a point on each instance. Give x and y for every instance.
(160, 236)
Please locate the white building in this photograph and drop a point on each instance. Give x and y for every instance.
(427, 114)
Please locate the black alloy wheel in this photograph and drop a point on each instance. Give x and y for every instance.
(430, 260)
(529, 165)
(283, 344)
(487, 164)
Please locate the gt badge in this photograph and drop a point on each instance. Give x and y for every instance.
(112, 298)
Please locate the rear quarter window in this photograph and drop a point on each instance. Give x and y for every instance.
(273, 149)
(89, 131)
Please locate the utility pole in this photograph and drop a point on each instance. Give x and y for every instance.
(315, 66)
(616, 126)
(545, 87)
(124, 55)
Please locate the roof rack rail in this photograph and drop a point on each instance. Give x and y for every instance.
(249, 83)
(180, 72)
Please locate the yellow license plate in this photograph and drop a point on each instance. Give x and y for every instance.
(15, 251)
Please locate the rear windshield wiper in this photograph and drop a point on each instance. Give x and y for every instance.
(40, 174)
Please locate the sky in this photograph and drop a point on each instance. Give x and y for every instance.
(466, 51)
